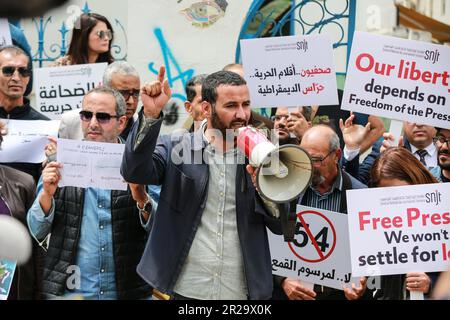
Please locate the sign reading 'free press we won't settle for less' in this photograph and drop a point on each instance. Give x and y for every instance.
(399, 79)
(397, 230)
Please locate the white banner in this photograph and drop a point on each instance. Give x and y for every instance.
(26, 139)
(90, 164)
(61, 89)
(399, 79)
(320, 252)
(290, 71)
(399, 229)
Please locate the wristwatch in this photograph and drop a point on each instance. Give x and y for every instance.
(147, 207)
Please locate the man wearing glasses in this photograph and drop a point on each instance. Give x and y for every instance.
(291, 123)
(121, 76)
(96, 235)
(327, 191)
(442, 141)
(14, 78)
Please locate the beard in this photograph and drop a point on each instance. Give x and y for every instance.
(226, 130)
(444, 165)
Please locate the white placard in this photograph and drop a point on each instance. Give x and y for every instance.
(397, 230)
(61, 89)
(320, 252)
(399, 79)
(26, 139)
(290, 71)
(5, 33)
(90, 164)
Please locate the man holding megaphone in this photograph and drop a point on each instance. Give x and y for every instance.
(210, 219)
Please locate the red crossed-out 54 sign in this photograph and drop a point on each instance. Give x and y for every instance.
(315, 237)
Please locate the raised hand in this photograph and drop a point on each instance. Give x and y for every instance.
(353, 134)
(155, 95)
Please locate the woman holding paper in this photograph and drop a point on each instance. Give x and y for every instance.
(398, 167)
(92, 37)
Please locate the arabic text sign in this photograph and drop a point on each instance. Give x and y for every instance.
(26, 139)
(320, 252)
(62, 89)
(399, 79)
(5, 34)
(290, 71)
(91, 164)
(399, 229)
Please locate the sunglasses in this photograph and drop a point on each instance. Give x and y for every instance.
(102, 34)
(102, 117)
(128, 93)
(9, 71)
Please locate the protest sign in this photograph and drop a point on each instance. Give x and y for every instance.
(290, 71)
(397, 230)
(90, 164)
(26, 139)
(399, 79)
(320, 252)
(5, 34)
(61, 89)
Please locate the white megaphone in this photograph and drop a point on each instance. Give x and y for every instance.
(15, 242)
(283, 172)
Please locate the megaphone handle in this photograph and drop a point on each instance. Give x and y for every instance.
(289, 221)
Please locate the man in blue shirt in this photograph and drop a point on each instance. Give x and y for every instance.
(97, 236)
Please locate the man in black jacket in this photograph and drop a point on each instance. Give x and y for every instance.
(14, 77)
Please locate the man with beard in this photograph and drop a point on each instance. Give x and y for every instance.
(442, 172)
(209, 237)
(327, 191)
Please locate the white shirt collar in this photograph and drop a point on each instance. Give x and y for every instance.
(431, 149)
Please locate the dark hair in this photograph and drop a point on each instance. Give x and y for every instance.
(190, 86)
(216, 79)
(399, 163)
(307, 112)
(78, 49)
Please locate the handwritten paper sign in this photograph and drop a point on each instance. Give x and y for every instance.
(62, 89)
(91, 164)
(397, 230)
(26, 139)
(320, 252)
(5, 33)
(399, 79)
(290, 71)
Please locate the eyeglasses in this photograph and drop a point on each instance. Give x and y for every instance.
(8, 71)
(104, 33)
(442, 140)
(102, 117)
(320, 159)
(128, 93)
(279, 117)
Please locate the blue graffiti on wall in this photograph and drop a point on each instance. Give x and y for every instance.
(174, 74)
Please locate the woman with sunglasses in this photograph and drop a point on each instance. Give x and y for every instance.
(398, 167)
(92, 37)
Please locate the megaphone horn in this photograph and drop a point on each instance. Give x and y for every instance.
(283, 172)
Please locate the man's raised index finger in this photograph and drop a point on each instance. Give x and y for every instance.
(161, 74)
